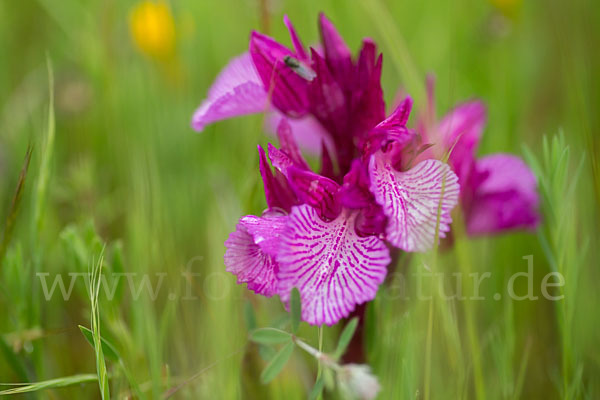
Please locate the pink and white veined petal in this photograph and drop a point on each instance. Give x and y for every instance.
(238, 90)
(251, 252)
(333, 268)
(411, 199)
(266, 230)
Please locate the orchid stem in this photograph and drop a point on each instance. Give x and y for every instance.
(321, 357)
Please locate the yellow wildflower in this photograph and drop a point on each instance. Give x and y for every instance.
(153, 29)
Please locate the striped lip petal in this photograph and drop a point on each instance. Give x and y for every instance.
(266, 230)
(333, 268)
(238, 90)
(411, 199)
(250, 252)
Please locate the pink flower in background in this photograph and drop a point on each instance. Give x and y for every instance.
(498, 191)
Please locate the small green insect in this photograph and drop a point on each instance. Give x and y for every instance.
(300, 68)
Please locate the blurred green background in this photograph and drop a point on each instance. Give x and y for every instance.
(125, 169)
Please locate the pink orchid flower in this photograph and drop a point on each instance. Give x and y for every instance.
(327, 233)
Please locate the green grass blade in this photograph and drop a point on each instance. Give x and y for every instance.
(97, 339)
(14, 207)
(50, 384)
(317, 389)
(47, 151)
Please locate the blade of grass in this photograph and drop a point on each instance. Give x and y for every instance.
(49, 384)
(14, 207)
(47, 151)
(95, 317)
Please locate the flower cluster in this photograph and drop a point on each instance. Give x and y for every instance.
(380, 183)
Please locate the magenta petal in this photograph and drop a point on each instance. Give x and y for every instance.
(337, 53)
(327, 168)
(393, 128)
(281, 161)
(246, 256)
(395, 124)
(354, 192)
(298, 47)
(371, 220)
(367, 102)
(328, 104)
(287, 89)
(288, 144)
(238, 90)
(277, 190)
(460, 131)
(333, 268)
(410, 200)
(327, 99)
(507, 197)
(315, 190)
(367, 61)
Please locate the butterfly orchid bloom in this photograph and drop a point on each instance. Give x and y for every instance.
(328, 233)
